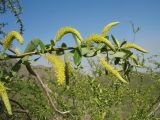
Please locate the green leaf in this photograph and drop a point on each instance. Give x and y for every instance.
(63, 45)
(99, 46)
(16, 67)
(104, 50)
(84, 50)
(123, 43)
(128, 55)
(77, 57)
(42, 46)
(115, 41)
(33, 44)
(125, 66)
(117, 60)
(126, 51)
(134, 58)
(70, 54)
(78, 42)
(91, 53)
(119, 54)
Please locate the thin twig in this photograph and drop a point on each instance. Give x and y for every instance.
(22, 108)
(21, 111)
(153, 111)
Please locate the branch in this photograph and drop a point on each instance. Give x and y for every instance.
(37, 52)
(34, 52)
(45, 89)
(22, 110)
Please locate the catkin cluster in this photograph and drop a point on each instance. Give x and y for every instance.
(66, 30)
(4, 96)
(59, 67)
(134, 46)
(10, 37)
(108, 27)
(99, 39)
(111, 69)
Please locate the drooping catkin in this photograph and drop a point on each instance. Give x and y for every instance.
(10, 37)
(111, 69)
(108, 27)
(134, 46)
(59, 67)
(4, 96)
(68, 71)
(67, 30)
(99, 39)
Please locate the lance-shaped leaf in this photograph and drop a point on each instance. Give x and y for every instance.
(16, 67)
(134, 46)
(111, 69)
(119, 54)
(10, 37)
(115, 41)
(108, 27)
(134, 59)
(99, 39)
(33, 44)
(77, 57)
(78, 42)
(123, 43)
(4, 96)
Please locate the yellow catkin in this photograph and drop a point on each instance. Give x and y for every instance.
(99, 39)
(67, 30)
(4, 96)
(59, 67)
(10, 37)
(108, 27)
(111, 69)
(134, 46)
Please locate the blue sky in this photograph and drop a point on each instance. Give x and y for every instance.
(42, 19)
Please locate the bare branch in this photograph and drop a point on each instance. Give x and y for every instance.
(45, 89)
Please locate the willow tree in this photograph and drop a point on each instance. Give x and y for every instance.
(115, 56)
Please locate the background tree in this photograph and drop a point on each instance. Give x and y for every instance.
(15, 8)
